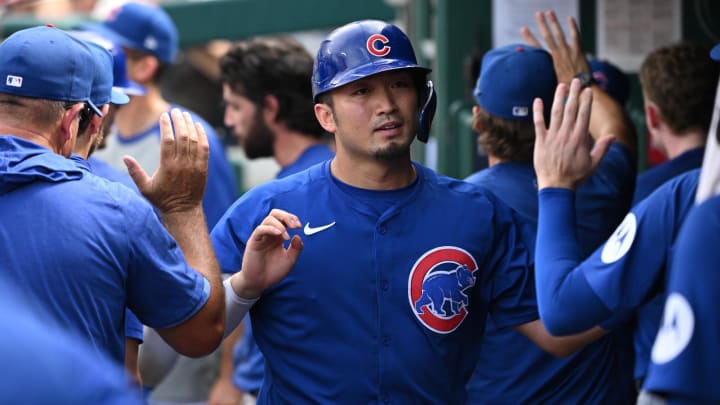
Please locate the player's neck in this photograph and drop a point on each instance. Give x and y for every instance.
(289, 145)
(374, 175)
(141, 113)
(677, 144)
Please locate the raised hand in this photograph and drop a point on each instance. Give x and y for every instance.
(178, 184)
(266, 261)
(568, 59)
(564, 155)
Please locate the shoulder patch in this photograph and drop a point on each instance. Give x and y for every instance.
(620, 241)
(677, 328)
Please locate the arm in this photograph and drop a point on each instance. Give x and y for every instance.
(224, 390)
(176, 189)
(608, 117)
(558, 346)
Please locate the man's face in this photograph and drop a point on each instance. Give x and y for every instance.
(245, 121)
(376, 117)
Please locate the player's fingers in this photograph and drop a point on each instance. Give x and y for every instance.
(558, 105)
(582, 122)
(288, 219)
(295, 248)
(571, 108)
(167, 139)
(136, 172)
(203, 145)
(557, 31)
(192, 136)
(529, 38)
(182, 135)
(545, 31)
(539, 120)
(574, 32)
(267, 232)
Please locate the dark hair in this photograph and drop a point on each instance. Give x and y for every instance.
(278, 66)
(508, 140)
(681, 79)
(39, 111)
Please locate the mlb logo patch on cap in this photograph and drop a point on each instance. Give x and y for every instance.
(14, 81)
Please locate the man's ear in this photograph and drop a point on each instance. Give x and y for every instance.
(325, 117)
(652, 115)
(70, 121)
(270, 109)
(96, 121)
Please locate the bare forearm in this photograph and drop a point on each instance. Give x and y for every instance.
(190, 232)
(609, 118)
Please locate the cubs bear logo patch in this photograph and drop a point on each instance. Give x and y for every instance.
(437, 287)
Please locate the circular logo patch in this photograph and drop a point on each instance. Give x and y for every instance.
(437, 287)
(620, 241)
(676, 330)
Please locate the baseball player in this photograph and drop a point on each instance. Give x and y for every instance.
(47, 364)
(684, 356)
(101, 247)
(628, 270)
(269, 109)
(150, 41)
(511, 368)
(382, 292)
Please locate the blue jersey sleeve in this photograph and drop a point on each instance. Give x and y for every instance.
(512, 293)
(566, 302)
(232, 230)
(621, 274)
(686, 355)
(163, 290)
(133, 326)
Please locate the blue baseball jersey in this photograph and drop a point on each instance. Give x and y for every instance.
(104, 170)
(87, 248)
(685, 356)
(46, 364)
(391, 291)
(249, 365)
(221, 189)
(512, 369)
(654, 177)
(133, 326)
(620, 276)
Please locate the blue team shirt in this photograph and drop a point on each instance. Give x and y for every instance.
(45, 364)
(392, 295)
(624, 273)
(654, 177)
(133, 326)
(87, 247)
(512, 369)
(249, 365)
(685, 356)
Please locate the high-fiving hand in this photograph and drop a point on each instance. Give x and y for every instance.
(564, 155)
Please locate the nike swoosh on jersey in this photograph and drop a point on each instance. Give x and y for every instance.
(308, 230)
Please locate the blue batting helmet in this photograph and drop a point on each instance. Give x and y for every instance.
(364, 48)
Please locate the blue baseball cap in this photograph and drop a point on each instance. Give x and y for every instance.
(142, 27)
(611, 79)
(511, 77)
(102, 91)
(48, 63)
(120, 82)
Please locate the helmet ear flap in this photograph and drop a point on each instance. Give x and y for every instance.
(427, 112)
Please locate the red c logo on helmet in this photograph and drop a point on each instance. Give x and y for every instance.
(378, 38)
